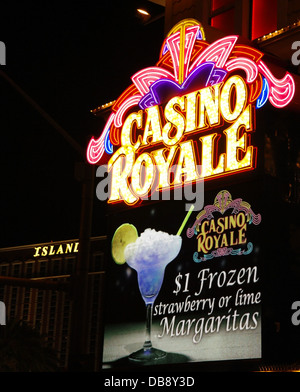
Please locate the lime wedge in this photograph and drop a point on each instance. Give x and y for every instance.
(124, 235)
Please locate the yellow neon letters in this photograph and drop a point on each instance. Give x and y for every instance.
(155, 140)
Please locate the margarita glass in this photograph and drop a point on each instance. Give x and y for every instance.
(149, 255)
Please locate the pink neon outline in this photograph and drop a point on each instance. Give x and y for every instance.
(281, 90)
(128, 103)
(217, 52)
(95, 149)
(173, 43)
(190, 38)
(145, 77)
(246, 64)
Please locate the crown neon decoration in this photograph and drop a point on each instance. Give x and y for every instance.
(188, 63)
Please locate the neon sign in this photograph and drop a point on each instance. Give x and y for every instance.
(195, 108)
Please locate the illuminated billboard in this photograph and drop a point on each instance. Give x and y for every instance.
(182, 293)
(194, 110)
(184, 280)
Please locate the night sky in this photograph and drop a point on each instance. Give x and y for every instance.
(69, 57)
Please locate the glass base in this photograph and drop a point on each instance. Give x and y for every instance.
(144, 355)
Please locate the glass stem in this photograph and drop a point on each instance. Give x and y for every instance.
(148, 344)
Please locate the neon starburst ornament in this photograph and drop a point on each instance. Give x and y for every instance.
(187, 62)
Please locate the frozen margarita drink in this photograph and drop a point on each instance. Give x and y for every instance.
(149, 255)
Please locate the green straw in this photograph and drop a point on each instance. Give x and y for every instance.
(185, 219)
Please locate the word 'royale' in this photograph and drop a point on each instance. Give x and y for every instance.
(139, 167)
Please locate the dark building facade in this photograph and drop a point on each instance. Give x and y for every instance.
(36, 287)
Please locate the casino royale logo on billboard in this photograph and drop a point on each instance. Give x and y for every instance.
(221, 228)
(195, 108)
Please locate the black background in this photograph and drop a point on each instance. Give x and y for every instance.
(70, 57)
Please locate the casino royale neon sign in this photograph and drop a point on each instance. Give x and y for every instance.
(162, 159)
(194, 109)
